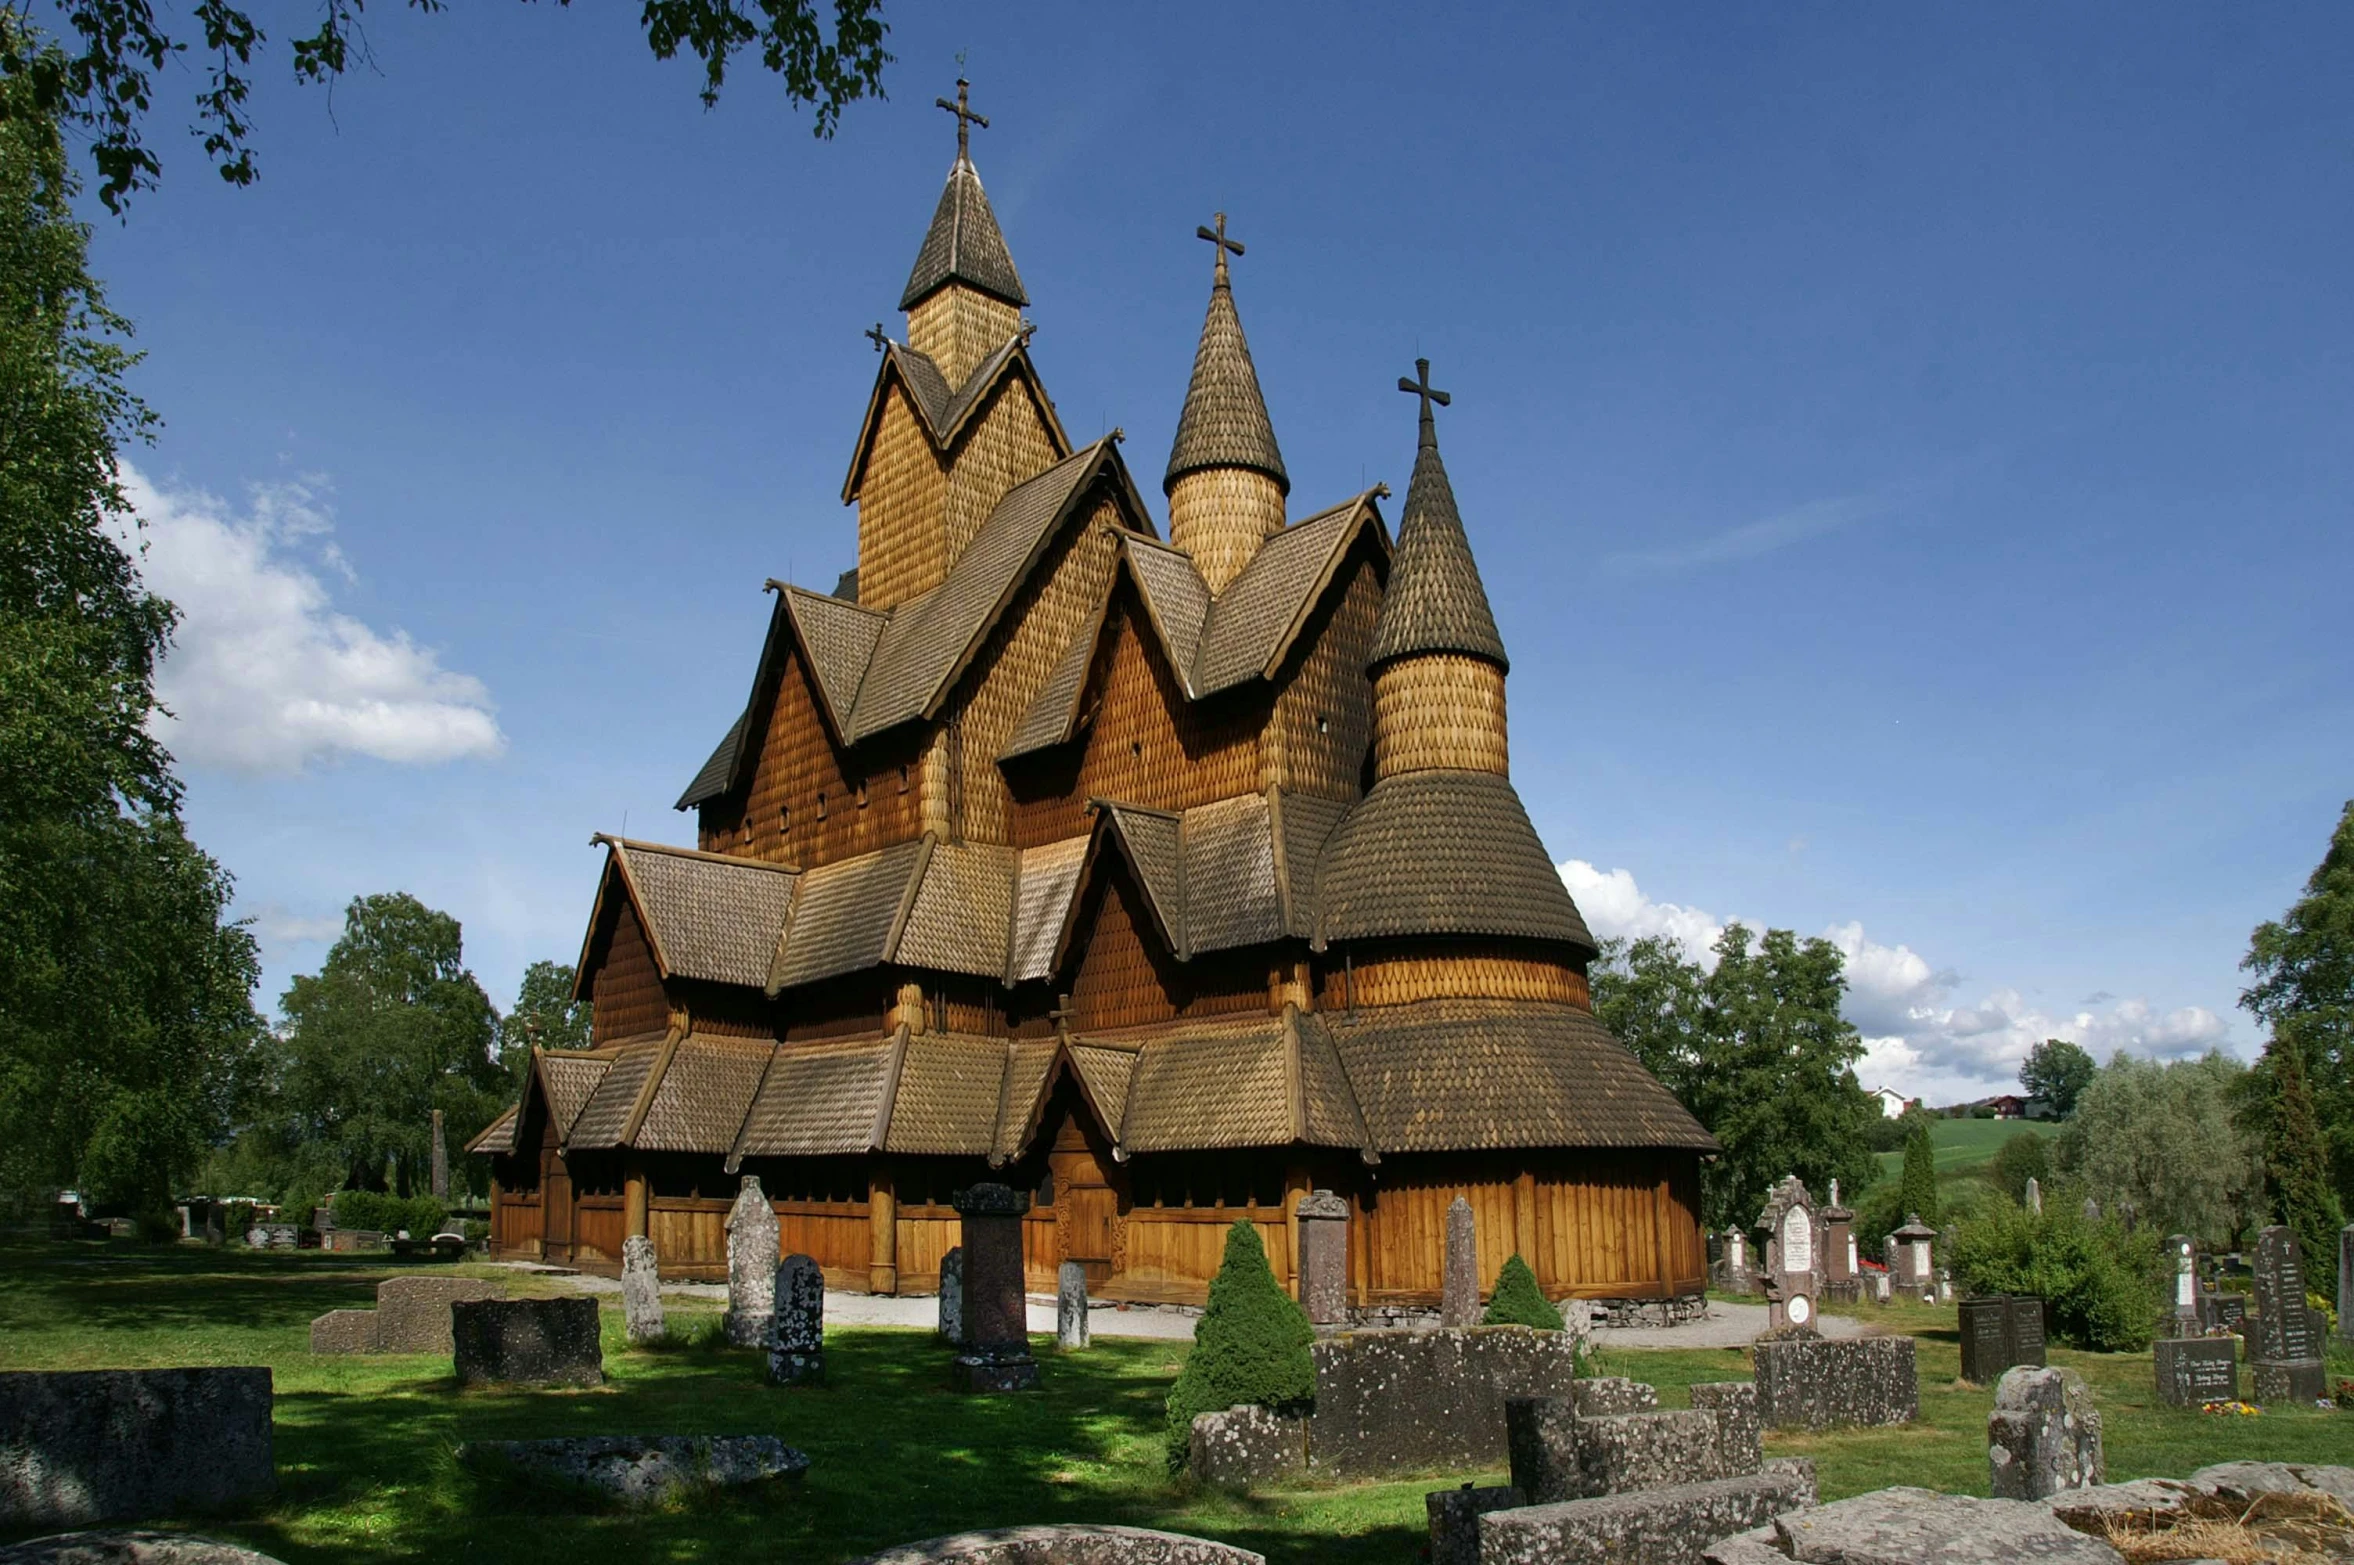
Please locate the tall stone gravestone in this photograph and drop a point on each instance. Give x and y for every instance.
(2182, 1317)
(1738, 1273)
(751, 1266)
(2034, 1201)
(1070, 1306)
(1459, 1291)
(2044, 1436)
(641, 1290)
(797, 1335)
(951, 1327)
(2285, 1366)
(1838, 1265)
(1324, 1258)
(441, 1160)
(996, 1354)
(1790, 1270)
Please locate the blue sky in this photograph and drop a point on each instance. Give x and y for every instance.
(1908, 451)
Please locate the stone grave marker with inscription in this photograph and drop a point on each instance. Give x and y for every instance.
(2284, 1364)
(2197, 1370)
(1791, 1284)
(2224, 1312)
(1986, 1339)
(1324, 1258)
(1911, 1257)
(2183, 1319)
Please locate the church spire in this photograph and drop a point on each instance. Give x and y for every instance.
(1226, 482)
(1438, 665)
(964, 298)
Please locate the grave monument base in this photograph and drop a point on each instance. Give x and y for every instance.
(982, 1372)
(2280, 1382)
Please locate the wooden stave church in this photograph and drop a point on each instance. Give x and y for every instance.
(1165, 880)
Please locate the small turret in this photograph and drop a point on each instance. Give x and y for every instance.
(964, 298)
(1226, 482)
(1437, 663)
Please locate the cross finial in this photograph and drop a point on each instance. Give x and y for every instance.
(966, 119)
(875, 335)
(1420, 386)
(1218, 238)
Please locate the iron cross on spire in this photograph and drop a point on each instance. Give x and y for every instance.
(966, 119)
(1224, 244)
(1420, 386)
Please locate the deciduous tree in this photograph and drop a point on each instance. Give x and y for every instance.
(2057, 1071)
(544, 1016)
(2303, 991)
(2167, 1139)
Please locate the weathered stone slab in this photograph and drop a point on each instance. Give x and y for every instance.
(797, 1341)
(951, 1322)
(345, 1331)
(1921, 1527)
(2286, 1382)
(1324, 1258)
(751, 1266)
(528, 1342)
(2196, 1370)
(1459, 1283)
(413, 1313)
(1739, 1431)
(1070, 1306)
(1630, 1451)
(2245, 1482)
(1667, 1526)
(130, 1548)
(79, 1446)
(2044, 1435)
(641, 1291)
(1245, 1447)
(1817, 1382)
(1065, 1546)
(1541, 1445)
(1454, 1519)
(639, 1470)
(1606, 1396)
(1420, 1401)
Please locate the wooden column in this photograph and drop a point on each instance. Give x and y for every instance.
(1660, 1202)
(882, 1218)
(1295, 1186)
(1524, 1221)
(633, 1198)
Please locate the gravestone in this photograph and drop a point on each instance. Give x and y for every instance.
(1459, 1292)
(1820, 1382)
(1324, 1258)
(529, 1342)
(751, 1266)
(996, 1354)
(2034, 1202)
(1070, 1306)
(1791, 1264)
(1986, 1338)
(2182, 1319)
(2197, 1370)
(951, 1324)
(2284, 1362)
(641, 1290)
(2224, 1312)
(1883, 1291)
(92, 1445)
(2092, 1210)
(2346, 1283)
(797, 1341)
(412, 1315)
(1838, 1263)
(441, 1161)
(1454, 1519)
(1912, 1258)
(2044, 1435)
(1738, 1273)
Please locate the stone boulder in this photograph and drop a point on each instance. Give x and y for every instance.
(129, 1548)
(94, 1445)
(1921, 1527)
(1454, 1519)
(2044, 1435)
(637, 1470)
(1073, 1545)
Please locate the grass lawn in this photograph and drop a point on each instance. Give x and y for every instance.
(1967, 1143)
(367, 1471)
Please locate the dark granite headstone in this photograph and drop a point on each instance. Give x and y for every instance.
(2284, 1361)
(2195, 1370)
(2224, 1312)
(532, 1342)
(996, 1354)
(1986, 1339)
(2027, 1341)
(797, 1340)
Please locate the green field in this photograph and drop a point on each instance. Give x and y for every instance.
(366, 1447)
(1964, 1144)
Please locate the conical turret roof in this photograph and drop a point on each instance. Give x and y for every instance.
(964, 244)
(1225, 419)
(1435, 602)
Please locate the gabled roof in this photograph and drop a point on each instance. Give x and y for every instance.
(1234, 1081)
(1044, 890)
(1442, 852)
(1435, 602)
(708, 916)
(568, 1078)
(838, 638)
(848, 915)
(697, 1103)
(498, 1136)
(616, 1104)
(1224, 423)
(963, 245)
(945, 411)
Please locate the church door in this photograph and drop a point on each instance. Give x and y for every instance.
(1090, 1207)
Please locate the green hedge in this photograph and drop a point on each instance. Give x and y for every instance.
(1518, 1301)
(1250, 1346)
(2102, 1287)
(388, 1214)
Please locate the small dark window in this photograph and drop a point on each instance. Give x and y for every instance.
(862, 793)
(903, 777)
(821, 804)
(784, 817)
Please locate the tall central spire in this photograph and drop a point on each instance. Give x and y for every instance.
(964, 298)
(1226, 482)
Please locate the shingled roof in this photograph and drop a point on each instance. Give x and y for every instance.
(963, 245)
(945, 411)
(707, 915)
(1435, 602)
(1443, 852)
(1225, 422)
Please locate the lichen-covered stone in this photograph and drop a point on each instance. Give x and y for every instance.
(1631, 1451)
(1819, 1382)
(1080, 1545)
(641, 1290)
(951, 1320)
(529, 1342)
(2287, 1382)
(639, 1470)
(751, 1266)
(344, 1331)
(1454, 1519)
(797, 1329)
(1070, 1306)
(1459, 1283)
(1738, 1430)
(1324, 1249)
(94, 1445)
(413, 1313)
(1418, 1401)
(1245, 1447)
(133, 1547)
(2044, 1435)
(1921, 1527)
(1541, 1448)
(1666, 1526)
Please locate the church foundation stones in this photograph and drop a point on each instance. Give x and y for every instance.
(641, 1290)
(82, 1446)
(797, 1341)
(528, 1342)
(751, 1266)
(2044, 1435)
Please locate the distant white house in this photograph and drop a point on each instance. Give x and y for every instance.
(1892, 1102)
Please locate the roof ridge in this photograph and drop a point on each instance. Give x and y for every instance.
(636, 845)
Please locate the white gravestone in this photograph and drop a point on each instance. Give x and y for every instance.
(1798, 1241)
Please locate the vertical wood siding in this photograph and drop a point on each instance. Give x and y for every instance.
(629, 997)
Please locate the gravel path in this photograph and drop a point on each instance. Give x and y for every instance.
(1725, 1325)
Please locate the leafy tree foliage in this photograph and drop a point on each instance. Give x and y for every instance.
(1756, 1049)
(2058, 1072)
(2102, 1286)
(126, 1032)
(2025, 1156)
(1518, 1301)
(545, 1016)
(2167, 1139)
(2303, 966)
(389, 1029)
(1917, 1186)
(2296, 1167)
(107, 88)
(1249, 1347)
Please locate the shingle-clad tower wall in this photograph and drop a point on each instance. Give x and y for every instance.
(1226, 484)
(964, 298)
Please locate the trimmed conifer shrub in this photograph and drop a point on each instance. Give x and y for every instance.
(1250, 1346)
(1518, 1301)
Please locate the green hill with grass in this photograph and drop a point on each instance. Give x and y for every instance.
(1963, 1144)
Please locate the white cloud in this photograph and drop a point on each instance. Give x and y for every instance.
(276, 926)
(265, 675)
(1916, 1038)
